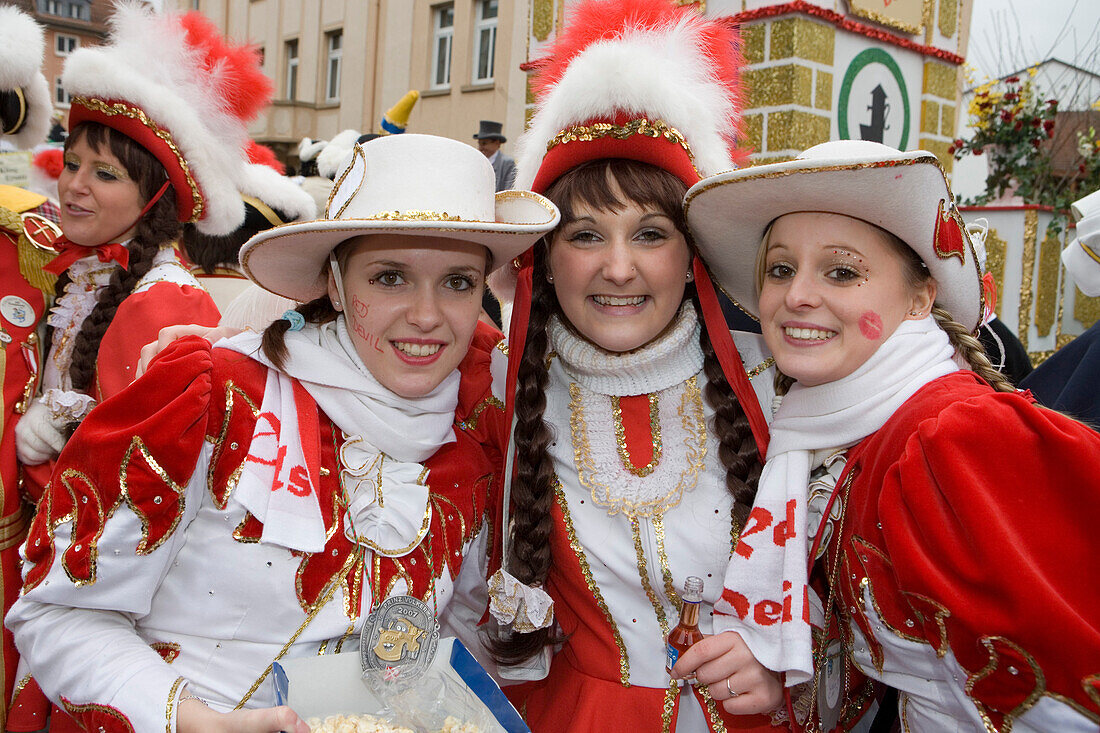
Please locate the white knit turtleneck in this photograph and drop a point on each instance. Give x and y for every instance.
(668, 360)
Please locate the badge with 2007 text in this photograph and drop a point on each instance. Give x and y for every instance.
(399, 638)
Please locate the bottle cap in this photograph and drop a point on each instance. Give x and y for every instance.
(693, 589)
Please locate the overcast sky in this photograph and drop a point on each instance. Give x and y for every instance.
(1007, 35)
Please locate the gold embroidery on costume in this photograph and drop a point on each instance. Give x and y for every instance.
(904, 697)
(620, 437)
(414, 215)
(669, 705)
(761, 367)
(101, 516)
(599, 130)
(715, 720)
(990, 643)
(168, 650)
(582, 560)
(144, 547)
(866, 590)
(643, 575)
(322, 601)
(470, 423)
(76, 710)
(694, 423)
(666, 572)
(232, 393)
(171, 704)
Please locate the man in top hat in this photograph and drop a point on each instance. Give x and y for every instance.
(489, 140)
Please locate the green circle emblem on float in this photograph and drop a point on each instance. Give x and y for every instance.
(870, 94)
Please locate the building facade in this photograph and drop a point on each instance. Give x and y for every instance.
(340, 65)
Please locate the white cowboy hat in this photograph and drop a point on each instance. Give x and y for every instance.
(904, 193)
(416, 185)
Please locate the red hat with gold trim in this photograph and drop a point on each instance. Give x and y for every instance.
(638, 79)
(904, 193)
(24, 92)
(173, 84)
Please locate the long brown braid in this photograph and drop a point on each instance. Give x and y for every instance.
(534, 484)
(157, 228)
(737, 449)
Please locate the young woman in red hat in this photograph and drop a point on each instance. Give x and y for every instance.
(257, 500)
(157, 138)
(637, 421)
(948, 515)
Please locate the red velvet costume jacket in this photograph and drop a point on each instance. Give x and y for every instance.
(212, 605)
(21, 308)
(969, 543)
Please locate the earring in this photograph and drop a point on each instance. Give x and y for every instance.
(336, 304)
(690, 276)
(550, 278)
(914, 313)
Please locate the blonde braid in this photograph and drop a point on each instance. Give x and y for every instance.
(971, 350)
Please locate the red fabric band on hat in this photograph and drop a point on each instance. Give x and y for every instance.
(660, 152)
(715, 323)
(132, 122)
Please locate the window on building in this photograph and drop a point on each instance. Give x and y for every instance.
(60, 96)
(485, 40)
(333, 42)
(74, 11)
(443, 31)
(53, 7)
(291, 69)
(66, 44)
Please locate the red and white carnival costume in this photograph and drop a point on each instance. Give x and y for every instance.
(957, 531)
(957, 579)
(642, 504)
(23, 288)
(161, 580)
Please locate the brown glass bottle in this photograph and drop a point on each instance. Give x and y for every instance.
(687, 631)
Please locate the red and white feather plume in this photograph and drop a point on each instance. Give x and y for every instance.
(642, 58)
(175, 85)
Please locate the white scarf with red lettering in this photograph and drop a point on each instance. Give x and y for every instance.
(766, 597)
(388, 437)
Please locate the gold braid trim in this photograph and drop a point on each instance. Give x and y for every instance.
(598, 130)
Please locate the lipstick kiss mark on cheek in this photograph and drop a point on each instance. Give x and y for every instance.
(870, 325)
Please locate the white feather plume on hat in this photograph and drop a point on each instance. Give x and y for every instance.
(21, 51)
(337, 154)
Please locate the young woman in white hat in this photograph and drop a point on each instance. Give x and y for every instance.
(257, 500)
(157, 136)
(637, 428)
(948, 514)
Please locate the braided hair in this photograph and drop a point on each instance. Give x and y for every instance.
(158, 227)
(533, 489)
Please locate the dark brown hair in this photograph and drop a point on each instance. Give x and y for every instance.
(533, 487)
(158, 227)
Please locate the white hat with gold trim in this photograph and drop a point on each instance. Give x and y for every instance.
(904, 193)
(415, 185)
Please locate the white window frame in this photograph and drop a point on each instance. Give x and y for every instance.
(64, 49)
(484, 27)
(53, 7)
(290, 83)
(334, 42)
(442, 36)
(60, 96)
(74, 11)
